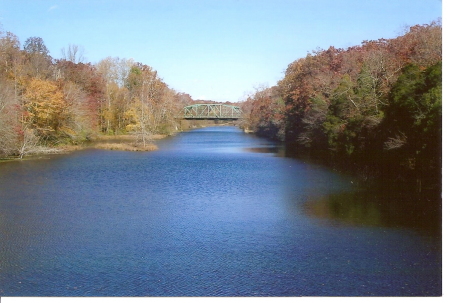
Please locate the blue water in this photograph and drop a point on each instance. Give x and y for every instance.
(213, 212)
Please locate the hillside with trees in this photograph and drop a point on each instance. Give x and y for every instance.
(47, 102)
(374, 109)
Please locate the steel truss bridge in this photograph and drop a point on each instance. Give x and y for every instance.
(211, 112)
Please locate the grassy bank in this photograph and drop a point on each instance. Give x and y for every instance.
(106, 142)
(126, 146)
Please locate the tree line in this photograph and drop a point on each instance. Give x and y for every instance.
(372, 109)
(46, 102)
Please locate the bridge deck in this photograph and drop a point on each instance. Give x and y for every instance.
(211, 112)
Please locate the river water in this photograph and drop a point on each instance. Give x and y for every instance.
(213, 212)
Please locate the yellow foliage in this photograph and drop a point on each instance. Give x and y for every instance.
(108, 114)
(45, 104)
(132, 118)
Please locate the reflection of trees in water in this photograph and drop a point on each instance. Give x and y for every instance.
(269, 150)
(370, 208)
(346, 208)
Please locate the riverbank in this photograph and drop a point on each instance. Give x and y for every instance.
(107, 142)
(123, 142)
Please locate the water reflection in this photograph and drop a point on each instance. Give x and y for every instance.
(369, 208)
(277, 150)
(213, 212)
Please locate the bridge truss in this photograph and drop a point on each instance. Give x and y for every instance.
(212, 112)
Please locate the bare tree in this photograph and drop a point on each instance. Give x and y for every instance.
(74, 53)
(29, 142)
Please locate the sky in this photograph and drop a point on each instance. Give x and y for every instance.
(213, 50)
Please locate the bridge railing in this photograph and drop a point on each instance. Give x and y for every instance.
(212, 112)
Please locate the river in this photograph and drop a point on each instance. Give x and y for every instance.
(213, 212)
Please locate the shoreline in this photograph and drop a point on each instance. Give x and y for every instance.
(106, 142)
(123, 142)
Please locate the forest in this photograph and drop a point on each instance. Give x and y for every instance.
(47, 102)
(374, 110)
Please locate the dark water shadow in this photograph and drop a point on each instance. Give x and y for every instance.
(278, 151)
(378, 209)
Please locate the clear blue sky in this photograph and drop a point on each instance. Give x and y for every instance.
(218, 50)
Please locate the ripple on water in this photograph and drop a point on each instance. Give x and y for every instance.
(214, 212)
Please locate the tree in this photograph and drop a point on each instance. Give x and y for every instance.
(46, 110)
(28, 142)
(79, 124)
(74, 53)
(8, 118)
(35, 45)
(45, 102)
(89, 81)
(114, 72)
(12, 63)
(38, 57)
(10, 66)
(264, 113)
(9, 53)
(420, 44)
(414, 123)
(141, 83)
